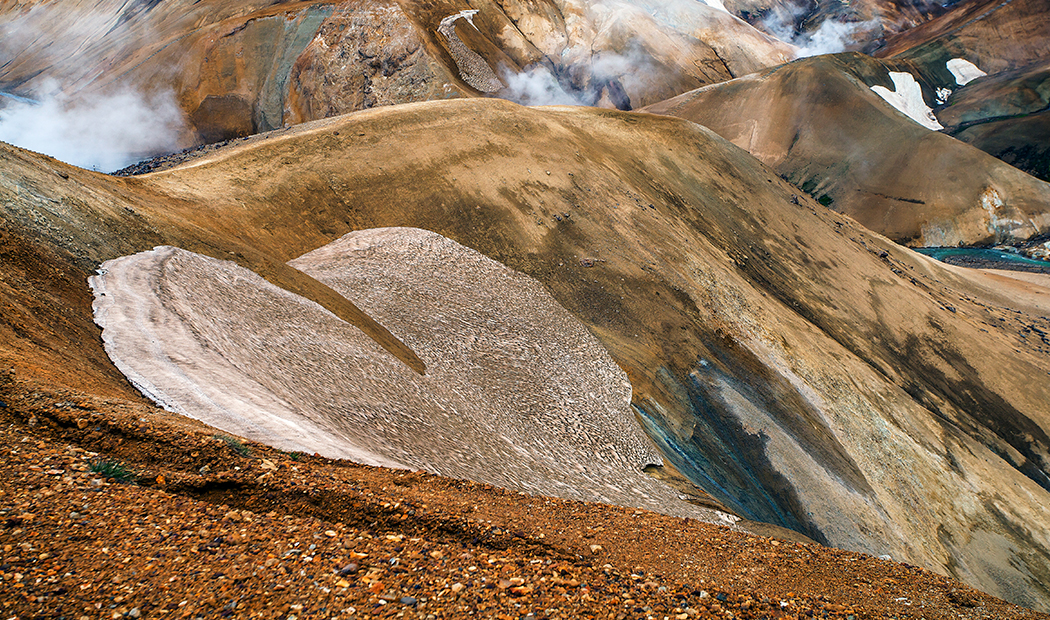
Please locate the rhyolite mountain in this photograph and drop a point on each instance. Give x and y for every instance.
(799, 368)
(240, 68)
(568, 296)
(821, 123)
(1003, 114)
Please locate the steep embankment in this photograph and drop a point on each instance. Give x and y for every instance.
(801, 369)
(820, 125)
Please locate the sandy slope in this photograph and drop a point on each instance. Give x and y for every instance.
(801, 369)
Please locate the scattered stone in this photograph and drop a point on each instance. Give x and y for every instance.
(408, 600)
(349, 569)
(596, 549)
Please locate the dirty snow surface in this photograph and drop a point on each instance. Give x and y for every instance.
(964, 71)
(517, 392)
(907, 97)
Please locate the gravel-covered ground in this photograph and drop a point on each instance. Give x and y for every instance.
(207, 527)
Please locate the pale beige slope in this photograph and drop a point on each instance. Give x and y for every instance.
(803, 370)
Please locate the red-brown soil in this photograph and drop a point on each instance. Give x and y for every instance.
(278, 535)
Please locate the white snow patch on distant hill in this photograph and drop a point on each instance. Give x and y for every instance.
(716, 4)
(907, 98)
(964, 71)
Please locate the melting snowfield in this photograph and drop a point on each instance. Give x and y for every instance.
(517, 392)
(907, 98)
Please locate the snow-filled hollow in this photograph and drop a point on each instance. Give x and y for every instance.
(964, 71)
(907, 98)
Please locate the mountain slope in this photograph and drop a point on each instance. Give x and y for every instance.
(802, 370)
(818, 123)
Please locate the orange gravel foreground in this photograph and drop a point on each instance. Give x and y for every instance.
(203, 531)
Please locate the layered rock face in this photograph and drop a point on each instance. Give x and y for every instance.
(829, 126)
(996, 36)
(801, 369)
(238, 70)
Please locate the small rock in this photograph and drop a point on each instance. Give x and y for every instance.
(330, 533)
(596, 549)
(204, 470)
(343, 583)
(3, 405)
(32, 421)
(82, 423)
(135, 613)
(233, 515)
(268, 465)
(408, 600)
(349, 569)
(457, 587)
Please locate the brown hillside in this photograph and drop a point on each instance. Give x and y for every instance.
(819, 125)
(802, 370)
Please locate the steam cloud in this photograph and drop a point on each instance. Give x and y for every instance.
(535, 86)
(603, 74)
(832, 37)
(105, 132)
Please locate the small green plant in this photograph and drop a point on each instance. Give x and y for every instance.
(236, 444)
(108, 468)
(295, 456)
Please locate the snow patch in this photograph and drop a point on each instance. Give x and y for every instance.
(716, 4)
(521, 396)
(907, 98)
(451, 19)
(964, 71)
